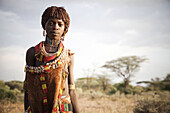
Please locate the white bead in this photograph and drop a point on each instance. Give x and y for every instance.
(53, 66)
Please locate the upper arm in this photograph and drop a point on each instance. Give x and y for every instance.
(30, 60)
(70, 69)
(30, 56)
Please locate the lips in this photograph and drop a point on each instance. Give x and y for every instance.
(54, 33)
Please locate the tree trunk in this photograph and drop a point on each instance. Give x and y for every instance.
(126, 81)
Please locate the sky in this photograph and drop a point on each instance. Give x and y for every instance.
(100, 31)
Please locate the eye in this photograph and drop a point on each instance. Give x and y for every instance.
(51, 23)
(60, 24)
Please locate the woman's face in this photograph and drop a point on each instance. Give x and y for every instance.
(54, 28)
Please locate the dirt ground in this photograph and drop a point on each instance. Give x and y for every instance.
(87, 105)
(106, 105)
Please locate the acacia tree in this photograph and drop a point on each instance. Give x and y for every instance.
(103, 80)
(89, 73)
(125, 67)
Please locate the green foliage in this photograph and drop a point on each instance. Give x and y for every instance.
(127, 90)
(15, 85)
(9, 91)
(113, 90)
(16, 91)
(104, 82)
(82, 83)
(166, 83)
(125, 67)
(157, 84)
(121, 88)
(138, 90)
(2, 83)
(8, 95)
(152, 106)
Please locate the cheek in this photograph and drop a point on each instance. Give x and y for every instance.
(63, 29)
(48, 29)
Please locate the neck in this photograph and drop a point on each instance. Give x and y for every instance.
(52, 42)
(51, 45)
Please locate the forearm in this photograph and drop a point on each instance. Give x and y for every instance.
(74, 101)
(26, 103)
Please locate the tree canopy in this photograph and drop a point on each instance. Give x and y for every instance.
(125, 66)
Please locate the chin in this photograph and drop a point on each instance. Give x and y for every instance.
(54, 37)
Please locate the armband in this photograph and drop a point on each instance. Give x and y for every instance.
(71, 86)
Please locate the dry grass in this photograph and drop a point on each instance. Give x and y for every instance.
(106, 105)
(98, 103)
(89, 104)
(12, 108)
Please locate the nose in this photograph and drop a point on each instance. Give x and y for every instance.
(56, 26)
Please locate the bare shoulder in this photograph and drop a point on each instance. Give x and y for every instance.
(71, 66)
(71, 59)
(30, 56)
(31, 51)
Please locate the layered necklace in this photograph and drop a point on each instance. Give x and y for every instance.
(51, 60)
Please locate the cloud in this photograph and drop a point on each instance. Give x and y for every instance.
(150, 25)
(12, 63)
(14, 32)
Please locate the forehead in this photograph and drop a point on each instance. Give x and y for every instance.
(55, 20)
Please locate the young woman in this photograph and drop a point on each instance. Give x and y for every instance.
(49, 83)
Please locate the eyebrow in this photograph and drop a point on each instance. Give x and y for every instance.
(59, 21)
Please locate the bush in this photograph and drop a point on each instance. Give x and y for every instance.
(16, 91)
(122, 89)
(138, 90)
(127, 90)
(113, 90)
(7, 95)
(15, 85)
(152, 106)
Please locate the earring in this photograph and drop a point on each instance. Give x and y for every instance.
(44, 33)
(62, 37)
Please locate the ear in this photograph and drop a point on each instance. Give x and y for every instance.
(44, 32)
(62, 37)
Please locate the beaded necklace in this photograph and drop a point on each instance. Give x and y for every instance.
(60, 58)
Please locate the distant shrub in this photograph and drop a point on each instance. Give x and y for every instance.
(16, 91)
(127, 90)
(152, 106)
(7, 95)
(138, 90)
(2, 83)
(122, 89)
(15, 84)
(113, 90)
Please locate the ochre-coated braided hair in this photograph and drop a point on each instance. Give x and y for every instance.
(56, 12)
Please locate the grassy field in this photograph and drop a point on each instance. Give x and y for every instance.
(98, 102)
